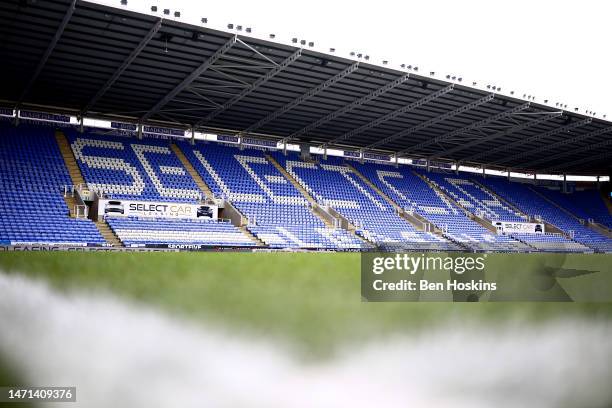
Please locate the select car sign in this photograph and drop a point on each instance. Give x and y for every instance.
(129, 208)
(506, 227)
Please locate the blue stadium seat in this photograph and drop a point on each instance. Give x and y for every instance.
(334, 184)
(32, 176)
(409, 191)
(135, 231)
(278, 214)
(129, 168)
(529, 202)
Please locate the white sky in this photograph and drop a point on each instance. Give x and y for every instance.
(555, 50)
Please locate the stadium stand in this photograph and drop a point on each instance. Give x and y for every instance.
(278, 214)
(484, 204)
(147, 169)
(280, 195)
(536, 206)
(586, 205)
(32, 176)
(412, 193)
(134, 231)
(334, 184)
(129, 168)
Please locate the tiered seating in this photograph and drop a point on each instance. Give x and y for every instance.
(551, 243)
(278, 214)
(529, 202)
(473, 197)
(413, 194)
(32, 176)
(129, 168)
(335, 185)
(586, 204)
(134, 231)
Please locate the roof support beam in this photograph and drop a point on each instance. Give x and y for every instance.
(190, 78)
(347, 108)
(269, 75)
(588, 159)
(535, 138)
(562, 143)
(504, 133)
(111, 81)
(48, 51)
(303, 98)
(474, 126)
(432, 121)
(398, 112)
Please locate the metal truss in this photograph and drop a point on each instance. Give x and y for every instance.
(432, 121)
(562, 143)
(474, 126)
(48, 51)
(303, 98)
(517, 128)
(588, 148)
(269, 75)
(190, 78)
(345, 109)
(534, 138)
(405, 109)
(111, 81)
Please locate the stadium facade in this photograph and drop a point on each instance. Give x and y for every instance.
(128, 130)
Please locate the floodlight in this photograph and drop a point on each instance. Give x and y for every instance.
(204, 20)
(177, 14)
(154, 9)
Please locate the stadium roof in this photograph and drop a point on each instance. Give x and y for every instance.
(93, 60)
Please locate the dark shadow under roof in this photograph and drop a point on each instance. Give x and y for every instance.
(88, 59)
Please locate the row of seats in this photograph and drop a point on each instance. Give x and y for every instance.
(533, 204)
(32, 176)
(586, 205)
(277, 213)
(32, 209)
(335, 185)
(138, 231)
(128, 168)
(407, 187)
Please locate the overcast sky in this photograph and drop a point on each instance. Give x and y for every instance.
(555, 50)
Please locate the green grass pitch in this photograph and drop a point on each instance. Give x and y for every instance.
(308, 300)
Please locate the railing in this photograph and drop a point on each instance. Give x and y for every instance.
(68, 191)
(81, 211)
